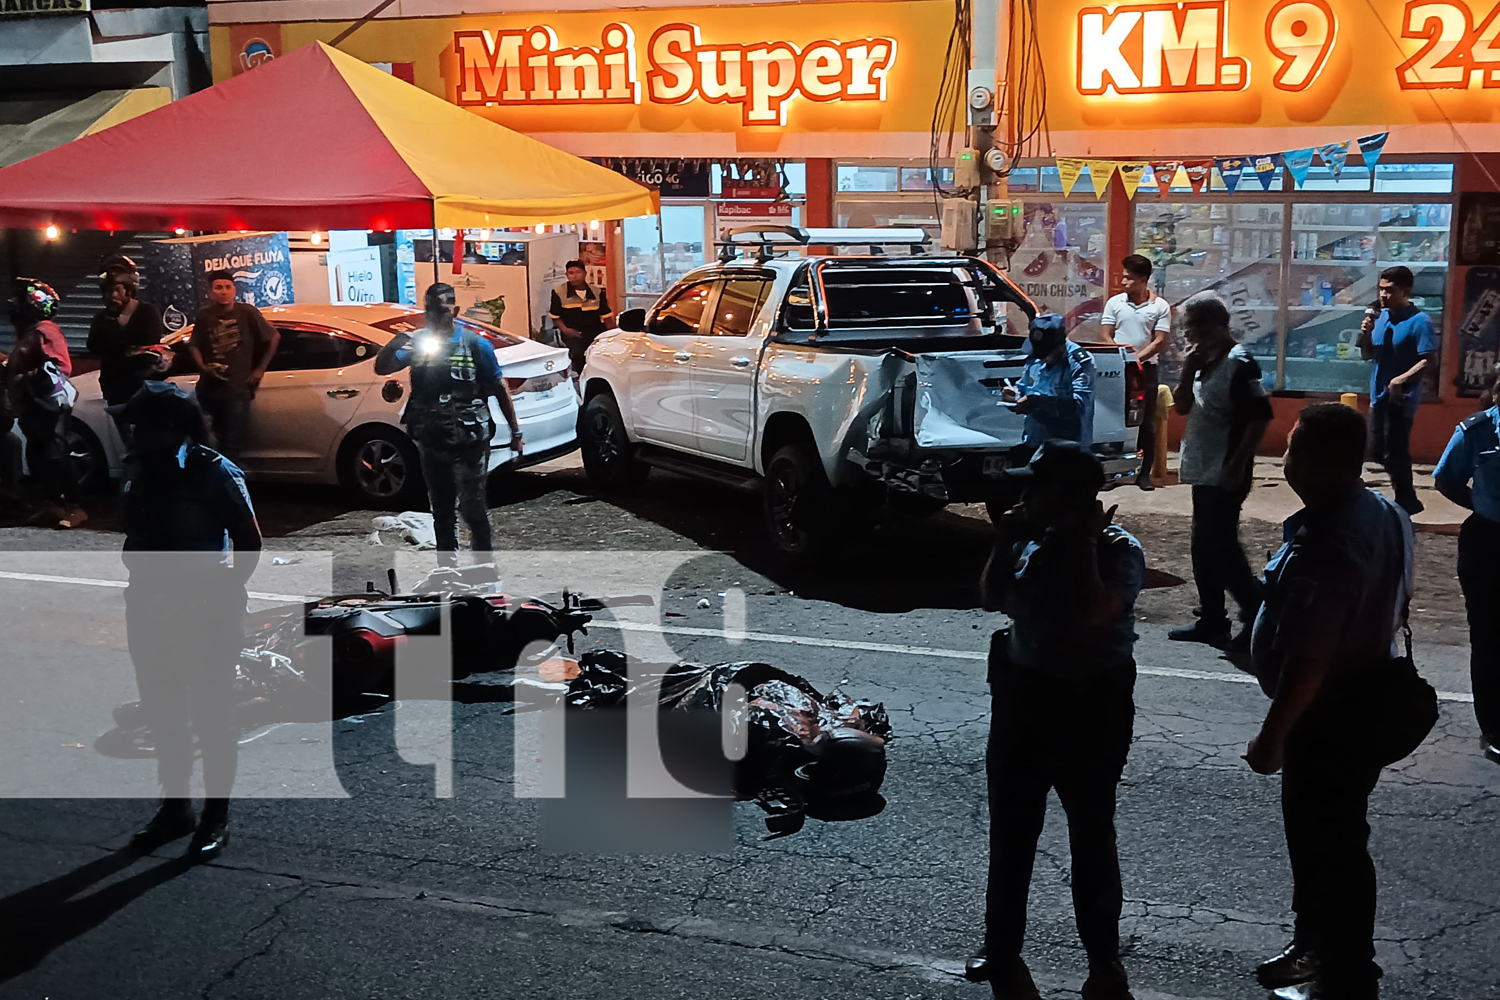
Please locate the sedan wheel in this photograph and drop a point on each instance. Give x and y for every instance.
(382, 467)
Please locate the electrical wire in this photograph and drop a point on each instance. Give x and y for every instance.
(953, 85)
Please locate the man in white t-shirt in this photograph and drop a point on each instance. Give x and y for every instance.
(1139, 319)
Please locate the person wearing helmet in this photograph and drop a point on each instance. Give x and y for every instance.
(1056, 391)
(120, 333)
(39, 395)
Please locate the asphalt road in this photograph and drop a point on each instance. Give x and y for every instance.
(388, 890)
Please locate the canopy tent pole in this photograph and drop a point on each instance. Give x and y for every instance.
(436, 245)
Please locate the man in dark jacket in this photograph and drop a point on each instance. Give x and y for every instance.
(453, 376)
(185, 512)
(232, 345)
(119, 333)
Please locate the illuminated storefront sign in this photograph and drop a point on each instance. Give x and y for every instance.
(527, 67)
(790, 79)
(1271, 64)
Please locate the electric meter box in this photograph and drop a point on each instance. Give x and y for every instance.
(960, 231)
(1002, 221)
(966, 169)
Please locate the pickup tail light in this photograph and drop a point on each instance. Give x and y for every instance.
(539, 383)
(1135, 394)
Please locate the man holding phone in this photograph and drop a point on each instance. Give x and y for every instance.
(1402, 343)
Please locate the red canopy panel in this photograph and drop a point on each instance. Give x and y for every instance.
(288, 146)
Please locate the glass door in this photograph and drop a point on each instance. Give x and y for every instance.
(660, 249)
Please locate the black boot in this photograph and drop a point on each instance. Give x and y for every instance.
(1107, 981)
(1295, 965)
(173, 819)
(213, 832)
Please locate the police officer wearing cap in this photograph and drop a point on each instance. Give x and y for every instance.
(191, 544)
(1056, 391)
(453, 376)
(1062, 679)
(1469, 475)
(580, 311)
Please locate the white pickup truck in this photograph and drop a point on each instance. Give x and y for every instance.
(835, 383)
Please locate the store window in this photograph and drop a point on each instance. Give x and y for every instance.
(1062, 262)
(1298, 268)
(891, 193)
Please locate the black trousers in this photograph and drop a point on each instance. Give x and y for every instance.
(184, 650)
(1219, 563)
(1479, 575)
(1046, 734)
(1325, 798)
(1147, 435)
(228, 412)
(47, 450)
(456, 488)
(1390, 444)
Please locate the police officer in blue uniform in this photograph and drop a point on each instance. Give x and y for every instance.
(453, 376)
(1056, 391)
(1324, 646)
(183, 507)
(1469, 475)
(1062, 679)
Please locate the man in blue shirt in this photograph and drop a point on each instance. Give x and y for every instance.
(184, 510)
(1056, 391)
(1473, 456)
(1062, 679)
(1402, 344)
(453, 376)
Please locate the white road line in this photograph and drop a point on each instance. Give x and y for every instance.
(930, 652)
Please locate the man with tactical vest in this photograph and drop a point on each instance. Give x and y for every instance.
(581, 313)
(453, 376)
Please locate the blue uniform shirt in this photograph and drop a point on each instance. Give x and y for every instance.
(1474, 454)
(1063, 399)
(1048, 633)
(1400, 337)
(195, 516)
(1337, 588)
(486, 367)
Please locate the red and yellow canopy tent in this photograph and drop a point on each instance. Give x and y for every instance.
(313, 140)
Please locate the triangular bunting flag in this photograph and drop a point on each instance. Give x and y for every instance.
(1165, 174)
(1298, 163)
(1130, 176)
(1068, 171)
(1231, 169)
(1265, 169)
(1370, 147)
(1198, 171)
(1333, 155)
(1101, 172)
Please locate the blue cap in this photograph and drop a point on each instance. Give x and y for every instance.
(158, 402)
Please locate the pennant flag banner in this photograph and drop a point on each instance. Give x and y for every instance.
(1370, 147)
(1130, 176)
(1068, 171)
(1298, 163)
(1101, 172)
(1235, 171)
(1231, 169)
(1198, 171)
(1265, 169)
(1165, 174)
(1333, 156)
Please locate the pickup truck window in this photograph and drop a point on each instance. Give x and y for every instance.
(739, 303)
(681, 314)
(931, 301)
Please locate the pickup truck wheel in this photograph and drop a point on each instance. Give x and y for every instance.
(608, 457)
(795, 500)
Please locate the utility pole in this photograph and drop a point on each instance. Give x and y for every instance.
(987, 100)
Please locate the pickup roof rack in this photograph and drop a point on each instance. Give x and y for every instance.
(767, 239)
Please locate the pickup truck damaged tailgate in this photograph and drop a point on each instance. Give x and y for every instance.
(958, 400)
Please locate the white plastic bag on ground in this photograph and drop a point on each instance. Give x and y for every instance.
(413, 527)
